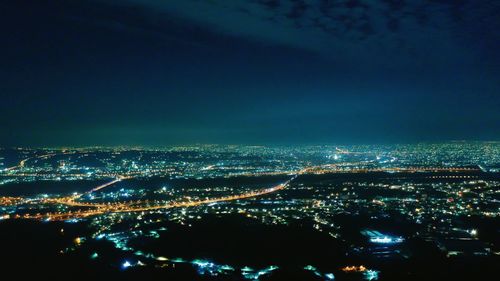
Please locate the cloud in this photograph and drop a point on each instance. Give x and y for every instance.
(352, 30)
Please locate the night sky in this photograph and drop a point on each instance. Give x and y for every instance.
(145, 72)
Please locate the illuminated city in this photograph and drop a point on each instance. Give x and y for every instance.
(374, 205)
(250, 140)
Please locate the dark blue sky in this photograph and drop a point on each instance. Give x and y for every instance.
(127, 72)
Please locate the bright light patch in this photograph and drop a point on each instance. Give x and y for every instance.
(371, 275)
(386, 240)
(126, 264)
(246, 268)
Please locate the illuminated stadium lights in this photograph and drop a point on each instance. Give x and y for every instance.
(126, 264)
(386, 240)
(379, 238)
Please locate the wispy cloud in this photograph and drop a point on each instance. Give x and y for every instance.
(335, 28)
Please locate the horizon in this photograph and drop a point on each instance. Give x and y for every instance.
(255, 144)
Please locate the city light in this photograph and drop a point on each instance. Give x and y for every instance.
(130, 207)
(126, 264)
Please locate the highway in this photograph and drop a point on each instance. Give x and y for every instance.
(130, 207)
(22, 163)
(139, 206)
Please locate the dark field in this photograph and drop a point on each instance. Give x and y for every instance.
(32, 249)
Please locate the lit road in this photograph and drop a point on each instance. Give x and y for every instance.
(130, 207)
(70, 201)
(22, 163)
(91, 209)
